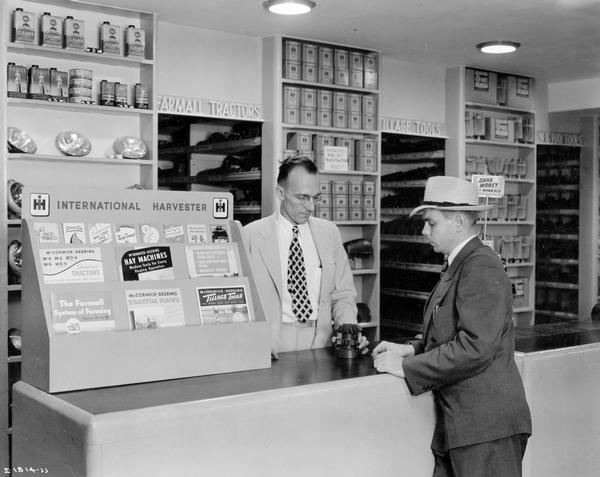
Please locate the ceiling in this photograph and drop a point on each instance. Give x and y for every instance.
(560, 38)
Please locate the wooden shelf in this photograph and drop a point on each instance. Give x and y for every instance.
(522, 310)
(519, 264)
(497, 107)
(396, 211)
(507, 222)
(420, 267)
(559, 187)
(14, 359)
(221, 148)
(417, 295)
(557, 314)
(559, 261)
(413, 157)
(313, 84)
(76, 107)
(558, 211)
(83, 56)
(357, 132)
(368, 324)
(404, 238)
(365, 271)
(349, 173)
(15, 288)
(85, 159)
(558, 236)
(418, 184)
(246, 209)
(499, 143)
(560, 285)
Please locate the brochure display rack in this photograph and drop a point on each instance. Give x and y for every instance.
(134, 287)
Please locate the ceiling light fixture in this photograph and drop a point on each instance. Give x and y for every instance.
(289, 7)
(498, 47)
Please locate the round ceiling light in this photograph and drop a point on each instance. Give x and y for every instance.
(498, 47)
(289, 7)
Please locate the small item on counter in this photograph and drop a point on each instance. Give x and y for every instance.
(59, 81)
(120, 95)
(110, 38)
(72, 143)
(140, 94)
(16, 81)
(14, 198)
(19, 141)
(23, 27)
(39, 82)
(130, 147)
(51, 30)
(107, 93)
(135, 42)
(74, 33)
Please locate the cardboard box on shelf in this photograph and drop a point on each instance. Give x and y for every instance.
(369, 201)
(481, 86)
(355, 104)
(355, 214)
(371, 62)
(308, 98)
(291, 70)
(340, 101)
(368, 188)
(325, 187)
(355, 187)
(340, 119)
(356, 201)
(325, 201)
(324, 117)
(354, 121)
(356, 60)
(348, 143)
(324, 99)
(366, 164)
(369, 104)
(371, 80)
(291, 97)
(291, 115)
(340, 188)
(369, 214)
(366, 147)
(309, 53)
(341, 77)
(300, 141)
(309, 72)
(325, 57)
(325, 75)
(369, 122)
(340, 214)
(308, 116)
(357, 78)
(291, 50)
(341, 59)
(521, 92)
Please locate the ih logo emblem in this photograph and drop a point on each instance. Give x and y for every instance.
(39, 205)
(220, 208)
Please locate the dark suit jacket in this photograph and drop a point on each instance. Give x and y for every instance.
(466, 356)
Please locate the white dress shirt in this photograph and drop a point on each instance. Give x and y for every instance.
(312, 264)
(457, 249)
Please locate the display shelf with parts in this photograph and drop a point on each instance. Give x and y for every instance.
(491, 131)
(197, 153)
(409, 266)
(53, 139)
(557, 247)
(321, 101)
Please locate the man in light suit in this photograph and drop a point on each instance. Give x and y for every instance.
(325, 271)
(466, 354)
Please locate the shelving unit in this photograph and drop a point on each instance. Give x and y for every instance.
(209, 154)
(309, 134)
(409, 266)
(43, 120)
(557, 250)
(490, 119)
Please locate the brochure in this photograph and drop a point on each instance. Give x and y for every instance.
(74, 233)
(154, 308)
(47, 232)
(81, 312)
(148, 263)
(71, 265)
(101, 233)
(223, 304)
(212, 260)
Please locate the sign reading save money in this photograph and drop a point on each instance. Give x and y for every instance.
(489, 186)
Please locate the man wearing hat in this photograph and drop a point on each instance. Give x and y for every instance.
(466, 354)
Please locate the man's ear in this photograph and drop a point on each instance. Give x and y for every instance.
(460, 221)
(279, 192)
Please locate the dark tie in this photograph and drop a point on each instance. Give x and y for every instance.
(296, 278)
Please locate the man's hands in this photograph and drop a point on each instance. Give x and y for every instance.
(363, 342)
(388, 357)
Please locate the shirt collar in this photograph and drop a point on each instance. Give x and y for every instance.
(286, 226)
(452, 255)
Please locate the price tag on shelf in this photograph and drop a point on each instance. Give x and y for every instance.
(489, 186)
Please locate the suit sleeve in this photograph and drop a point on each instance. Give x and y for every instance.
(343, 298)
(483, 309)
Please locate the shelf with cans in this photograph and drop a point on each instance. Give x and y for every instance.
(201, 153)
(490, 117)
(557, 247)
(79, 102)
(409, 266)
(321, 101)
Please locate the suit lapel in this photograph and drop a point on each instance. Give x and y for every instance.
(321, 242)
(270, 253)
(442, 287)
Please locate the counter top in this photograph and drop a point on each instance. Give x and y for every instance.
(291, 369)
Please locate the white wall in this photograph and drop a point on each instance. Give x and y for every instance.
(574, 95)
(412, 91)
(194, 62)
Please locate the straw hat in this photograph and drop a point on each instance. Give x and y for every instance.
(450, 193)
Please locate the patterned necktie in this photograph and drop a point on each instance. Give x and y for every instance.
(296, 279)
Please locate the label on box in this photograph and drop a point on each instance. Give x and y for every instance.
(309, 72)
(335, 158)
(292, 50)
(323, 117)
(309, 53)
(292, 70)
(291, 97)
(324, 99)
(308, 116)
(325, 75)
(340, 187)
(308, 98)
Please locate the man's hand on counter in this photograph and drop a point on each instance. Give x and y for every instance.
(388, 357)
(363, 342)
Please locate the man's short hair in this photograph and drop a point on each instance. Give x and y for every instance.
(471, 215)
(290, 163)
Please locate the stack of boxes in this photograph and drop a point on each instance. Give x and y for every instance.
(337, 67)
(362, 153)
(344, 201)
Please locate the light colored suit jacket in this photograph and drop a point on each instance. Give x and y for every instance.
(466, 356)
(337, 293)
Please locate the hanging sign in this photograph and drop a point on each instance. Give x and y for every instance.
(209, 107)
(412, 126)
(489, 186)
(555, 138)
